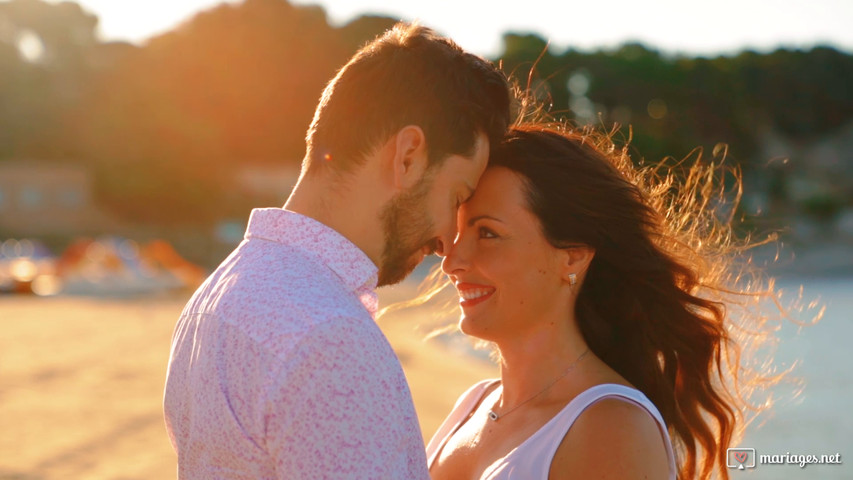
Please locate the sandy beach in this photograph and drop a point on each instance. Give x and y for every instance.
(81, 383)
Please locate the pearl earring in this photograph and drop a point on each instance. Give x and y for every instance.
(573, 279)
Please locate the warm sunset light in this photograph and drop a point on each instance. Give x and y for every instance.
(220, 222)
(672, 25)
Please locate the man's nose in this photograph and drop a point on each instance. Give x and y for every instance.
(443, 244)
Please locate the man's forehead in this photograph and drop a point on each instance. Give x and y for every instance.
(481, 146)
(469, 190)
(481, 156)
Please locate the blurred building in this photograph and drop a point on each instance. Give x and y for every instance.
(267, 186)
(47, 198)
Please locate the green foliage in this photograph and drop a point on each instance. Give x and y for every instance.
(168, 125)
(824, 206)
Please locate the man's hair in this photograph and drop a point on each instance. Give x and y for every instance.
(408, 76)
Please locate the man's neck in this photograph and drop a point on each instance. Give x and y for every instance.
(346, 207)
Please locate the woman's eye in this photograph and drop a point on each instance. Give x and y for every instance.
(486, 233)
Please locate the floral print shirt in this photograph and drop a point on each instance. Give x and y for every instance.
(278, 369)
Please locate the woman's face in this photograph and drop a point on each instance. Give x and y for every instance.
(506, 273)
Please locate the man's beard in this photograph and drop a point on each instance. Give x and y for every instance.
(408, 229)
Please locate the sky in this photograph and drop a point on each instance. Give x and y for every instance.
(688, 27)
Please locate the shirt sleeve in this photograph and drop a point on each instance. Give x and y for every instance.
(340, 408)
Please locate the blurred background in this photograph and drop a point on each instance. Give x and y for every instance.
(135, 137)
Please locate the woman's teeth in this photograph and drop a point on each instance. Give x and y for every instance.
(473, 293)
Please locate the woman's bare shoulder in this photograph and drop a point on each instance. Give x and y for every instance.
(612, 439)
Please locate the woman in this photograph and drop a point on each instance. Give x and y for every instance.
(593, 283)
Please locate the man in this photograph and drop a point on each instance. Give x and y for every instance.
(277, 368)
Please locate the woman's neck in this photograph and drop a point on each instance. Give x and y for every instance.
(532, 362)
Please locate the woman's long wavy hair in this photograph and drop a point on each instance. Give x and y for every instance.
(655, 304)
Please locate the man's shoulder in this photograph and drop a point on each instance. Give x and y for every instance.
(277, 281)
(278, 295)
(269, 262)
(349, 337)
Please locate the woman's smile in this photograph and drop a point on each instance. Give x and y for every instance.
(471, 294)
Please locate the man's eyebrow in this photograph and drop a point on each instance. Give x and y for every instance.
(473, 220)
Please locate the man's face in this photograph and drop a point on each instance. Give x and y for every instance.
(422, 220)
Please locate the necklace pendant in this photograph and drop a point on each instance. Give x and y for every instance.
(493, 416)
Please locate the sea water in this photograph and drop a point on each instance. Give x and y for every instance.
(818, 421)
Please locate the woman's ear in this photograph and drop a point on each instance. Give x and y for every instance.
(410, 159)
(576, 260)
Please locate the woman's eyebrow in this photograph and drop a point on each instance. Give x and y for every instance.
(473, 220)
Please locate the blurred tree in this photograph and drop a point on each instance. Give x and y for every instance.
(234, 85)
(675, 104)
(803, 93)
(531, 64)
(168, 124)
(64, 30)
(364, 29)
(44, 49)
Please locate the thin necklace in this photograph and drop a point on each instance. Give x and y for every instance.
(494, 416)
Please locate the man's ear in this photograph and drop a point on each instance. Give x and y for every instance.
(575, 261)
(410, 159)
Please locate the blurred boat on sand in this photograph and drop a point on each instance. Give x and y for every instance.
(107, 266)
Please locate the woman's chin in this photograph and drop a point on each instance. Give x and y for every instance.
(470, 327)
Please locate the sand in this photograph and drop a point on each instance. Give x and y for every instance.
(81, 382)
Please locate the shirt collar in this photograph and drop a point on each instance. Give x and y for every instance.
(355, 269)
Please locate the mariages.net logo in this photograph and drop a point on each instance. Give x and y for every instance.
(744, 458)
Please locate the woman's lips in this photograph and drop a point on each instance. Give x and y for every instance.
(471, 294)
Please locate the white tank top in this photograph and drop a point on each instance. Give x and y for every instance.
(531, 460)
